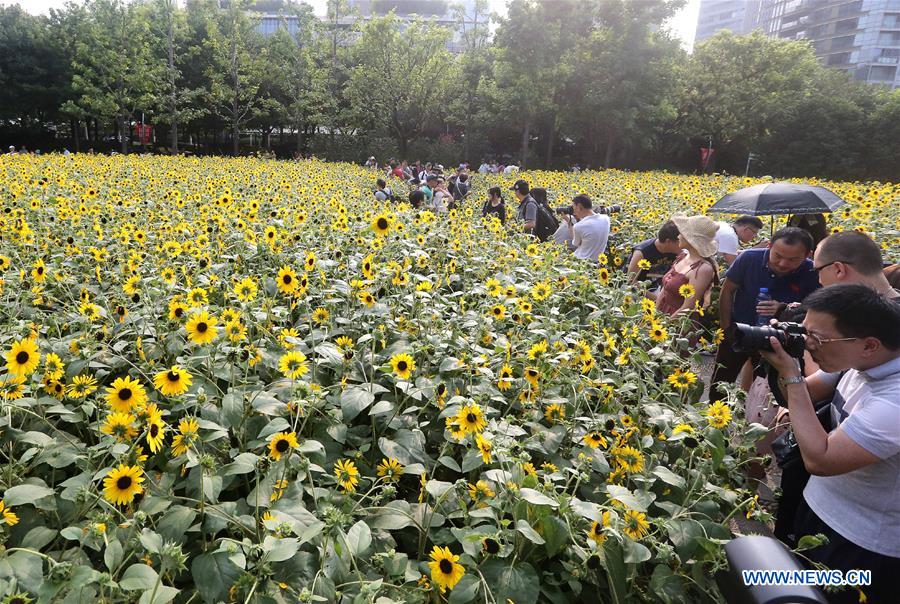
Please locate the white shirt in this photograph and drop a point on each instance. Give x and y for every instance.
(728, 239)
(590, 236)
(863, 505)
(511, 169)
(484, 169)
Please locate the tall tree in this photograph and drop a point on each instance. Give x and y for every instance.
(619, 77)
(177, 102)
(115, 71)
(399, 82)
(735, 86)
(237, 67)
(300, 75)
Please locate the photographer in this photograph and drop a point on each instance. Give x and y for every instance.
(785, 270)
(588, 231)
(528, 207)
(853, 495)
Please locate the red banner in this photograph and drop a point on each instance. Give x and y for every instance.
(143, 133)
(706, 155)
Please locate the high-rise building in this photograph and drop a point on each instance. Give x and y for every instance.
(861, 37)
(737, 16)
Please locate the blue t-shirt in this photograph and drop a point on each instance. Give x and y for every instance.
(750, 272)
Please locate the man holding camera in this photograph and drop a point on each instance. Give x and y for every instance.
(785, 270)
(853, 495)
(588, 231)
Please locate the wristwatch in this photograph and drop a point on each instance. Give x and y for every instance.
(797, 379)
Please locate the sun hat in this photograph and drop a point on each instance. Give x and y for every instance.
(700, 232)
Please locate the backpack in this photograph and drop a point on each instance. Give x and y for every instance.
(389, 193)
(546, 223)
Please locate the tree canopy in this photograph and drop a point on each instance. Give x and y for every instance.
(602, 83)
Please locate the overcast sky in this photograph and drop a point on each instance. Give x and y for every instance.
(683, 24)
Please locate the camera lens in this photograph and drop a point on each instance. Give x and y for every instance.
(749, 338)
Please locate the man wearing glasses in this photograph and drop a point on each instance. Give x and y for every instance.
(853, 495)
(785, 270)
(852, 257)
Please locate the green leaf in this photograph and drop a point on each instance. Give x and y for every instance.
(555, 533)
(213, 575)
(26, 494)
(151, 541)
(38, 537)
(638, 500)
(616, 572)
(138, 576)
(163, 594)
(113, 555)
(684, 535)
(242, 464)
(465, 591)
(175, 524)
(532, 535)
(233, 409)
(667, 586)
(537, 498)
(359, 538)
(354, 400)
(669, 477)
(519, 583)
(635, 552)
(279, 550)
(26, 568)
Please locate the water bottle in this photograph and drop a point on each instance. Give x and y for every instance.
(763, 296)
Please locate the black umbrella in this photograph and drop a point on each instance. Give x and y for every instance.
(778, 198)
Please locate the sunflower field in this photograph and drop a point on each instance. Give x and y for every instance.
(237, 380)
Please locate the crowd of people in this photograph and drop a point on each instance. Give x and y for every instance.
(848, 484)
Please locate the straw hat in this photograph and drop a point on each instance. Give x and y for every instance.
(700, 232)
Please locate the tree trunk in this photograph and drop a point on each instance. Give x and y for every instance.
(174, 107)
(526, 135)
(551, 140)
(76, 143)
(235, 139)
(610, 142)
(123, 135)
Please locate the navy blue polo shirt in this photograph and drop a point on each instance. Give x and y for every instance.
(750, 272)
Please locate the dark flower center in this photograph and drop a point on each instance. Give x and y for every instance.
(287, 279)
(154, 430)
(282, 445)
(471, 418)
(179, 312)
(446, 566)
(401, 366)
(124, 482)
(382, 223)
(201, 327)
(22, 357)
(173, 376)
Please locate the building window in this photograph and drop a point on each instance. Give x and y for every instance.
(882, 73)
(842, 43)
(842, 58)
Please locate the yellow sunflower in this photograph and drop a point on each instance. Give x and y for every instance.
(122, 484)
(381, 224)
(9, 517)
(174, 381)
(120, 425)
(445, 568)
(281, 444)
(471, 418)
(245, 289)
(23, 358)
(287, 280)
(293, 365)
(403, 365)
(81, 386)
(53, 366)
(718, 415)
(125, 394)
(636, 525)
(505, 380)
(156, 434)
(485, 448)
(390, 469)
(347, 475)
(201, 328)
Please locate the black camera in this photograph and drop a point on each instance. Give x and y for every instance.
(752, 338)
(597, 209)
